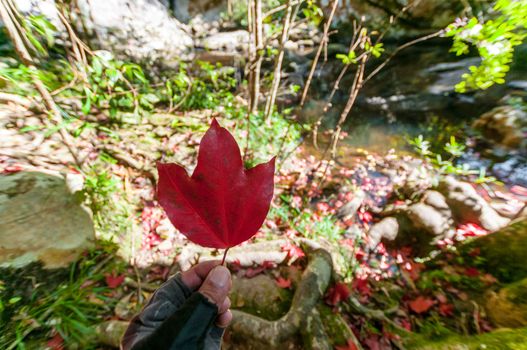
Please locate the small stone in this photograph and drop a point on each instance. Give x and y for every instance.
(387, 228)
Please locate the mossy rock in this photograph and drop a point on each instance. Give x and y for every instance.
(260, 296)
(335, 326)
(508, 307)
(503, 252)
(502, 339)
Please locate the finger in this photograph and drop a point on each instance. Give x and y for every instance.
(217, 285)
(194, 277)
(225, 306)
(224, 319)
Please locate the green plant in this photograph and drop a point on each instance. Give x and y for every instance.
(71, 309)
(454, 150)
(495, 40)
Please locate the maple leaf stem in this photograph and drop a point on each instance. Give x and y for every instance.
(224, 256)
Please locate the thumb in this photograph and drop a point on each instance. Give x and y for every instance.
(217, 285)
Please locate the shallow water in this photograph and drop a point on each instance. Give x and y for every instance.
(414, 95)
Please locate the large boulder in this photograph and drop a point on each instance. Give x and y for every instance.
(41, 219)
(139, 30)
(505, 126)
(421, 225)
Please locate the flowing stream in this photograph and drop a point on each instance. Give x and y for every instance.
(414, 95)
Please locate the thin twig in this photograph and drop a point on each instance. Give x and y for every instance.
(322, 44)
(399, 49)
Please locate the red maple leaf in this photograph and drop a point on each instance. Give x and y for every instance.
(338, 293)
(471, 272)
(293, 252)
(362, 286)
(446, 309)
(421, 304)
(350, 345)
(222, 204)
(113, 281)
(283, 282)
(56, 343)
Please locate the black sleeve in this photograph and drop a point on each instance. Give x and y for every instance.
(174, 318)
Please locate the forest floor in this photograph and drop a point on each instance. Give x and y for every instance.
(382, 290)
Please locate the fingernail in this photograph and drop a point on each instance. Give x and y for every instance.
(219, 276)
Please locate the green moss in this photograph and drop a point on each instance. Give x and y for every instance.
(502, 252)
(503, 339)
(334, 325)
(518, 292)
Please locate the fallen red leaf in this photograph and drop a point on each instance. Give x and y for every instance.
(56, 343)
(471, 272)
(421, 304)
(11, 169)
(113, 281)
(293, 252)
(362, 286)
(283, 282)
(350, 345)
(221, 204)
(254, 271)
(446, 309)
(519, 190)
(373, 342)
(339, 292)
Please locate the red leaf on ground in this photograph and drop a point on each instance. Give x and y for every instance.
(421, 304)
(350, 345)
(222, 204)
(519, 190)
(373, 342)
(338, 293)
(471, 272)
(254, 271)
(11, 169)
(446, 309)
(362, 286)
(283, 282)
(471, 230)
(269, 264)
(293, 251)
(406, 324)
(113, 281)
(56, 343)
(365, 216)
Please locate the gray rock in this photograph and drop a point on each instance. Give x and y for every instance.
(468, 206)
(235, 41)
(41, 219)
(513, 171)
(505, 126)
(140, 30)
(438, 201)
(348, 210)
(260, 295)
(386, 229)
(428, 219)
(518, 84)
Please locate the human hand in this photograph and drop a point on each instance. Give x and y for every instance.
(212, 280)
